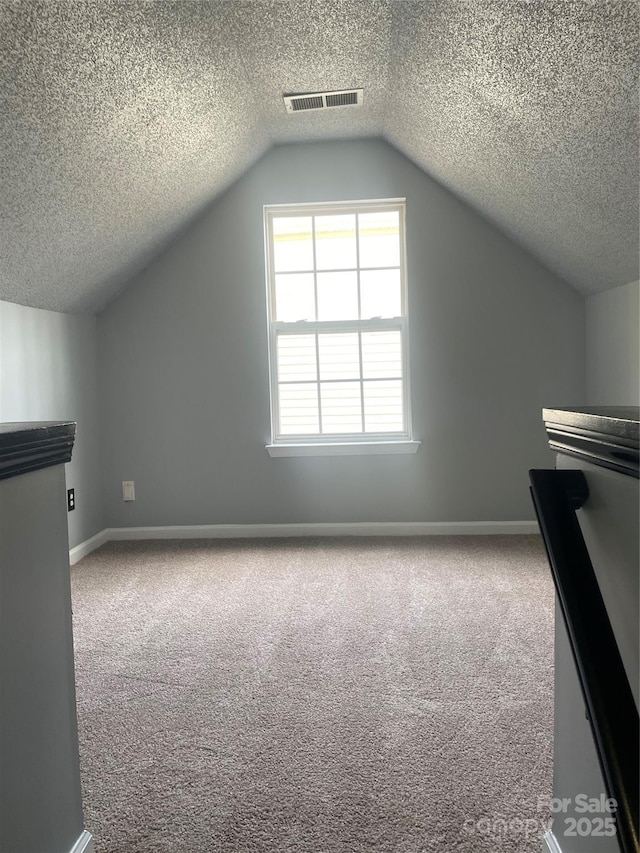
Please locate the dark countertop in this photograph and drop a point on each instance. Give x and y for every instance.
(30, 446)
(603, 435)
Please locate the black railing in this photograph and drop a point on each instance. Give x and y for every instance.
(610, 705)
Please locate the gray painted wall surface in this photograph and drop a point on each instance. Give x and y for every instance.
(613, 348)
(48, 372)
(183, 364)
(40, 796)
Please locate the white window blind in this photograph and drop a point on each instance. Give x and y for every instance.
(337, 322)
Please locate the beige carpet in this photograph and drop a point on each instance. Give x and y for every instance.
(315, 696)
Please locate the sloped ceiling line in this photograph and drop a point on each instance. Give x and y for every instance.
(119, 121)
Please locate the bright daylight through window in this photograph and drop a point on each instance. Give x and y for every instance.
(338, 323)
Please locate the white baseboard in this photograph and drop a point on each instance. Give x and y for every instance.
(550, 843)
(84, 844)
(269, 531)
(88, 546)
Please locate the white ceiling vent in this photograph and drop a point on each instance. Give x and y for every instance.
(323, 100)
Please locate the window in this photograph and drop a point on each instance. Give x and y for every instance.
(338, 326)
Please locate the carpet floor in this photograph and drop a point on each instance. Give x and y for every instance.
(315, 696)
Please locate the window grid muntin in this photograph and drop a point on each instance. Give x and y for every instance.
(315, 298)
(318, 327)
(362, 415)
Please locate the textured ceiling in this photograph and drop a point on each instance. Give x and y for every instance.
(120, 120)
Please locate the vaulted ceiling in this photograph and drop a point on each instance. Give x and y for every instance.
(120, 120)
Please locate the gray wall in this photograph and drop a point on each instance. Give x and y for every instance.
(613, 350)
(48, 371)
(40, 795)
(183, 367)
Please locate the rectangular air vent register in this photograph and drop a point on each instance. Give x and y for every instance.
(303, 101)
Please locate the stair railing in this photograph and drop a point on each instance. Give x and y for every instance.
(611, 708)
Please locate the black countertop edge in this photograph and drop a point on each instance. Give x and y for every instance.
(31, 446)
(605, 435)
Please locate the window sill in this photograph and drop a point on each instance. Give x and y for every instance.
(359, 448)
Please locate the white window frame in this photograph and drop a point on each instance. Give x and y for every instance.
(347, 443)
